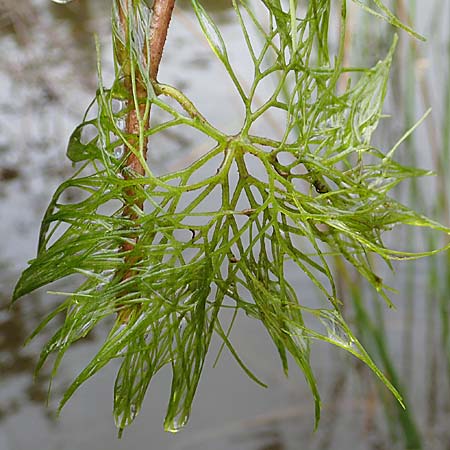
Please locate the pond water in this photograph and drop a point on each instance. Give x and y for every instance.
(48, 77)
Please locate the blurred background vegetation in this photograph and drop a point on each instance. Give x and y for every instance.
(48, 77)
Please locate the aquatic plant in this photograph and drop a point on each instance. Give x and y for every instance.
(165, 255)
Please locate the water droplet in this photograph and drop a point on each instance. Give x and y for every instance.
(120, 123)
(118, 152)
(172, 429)
(117, 106)
(175, 426)
(340, 338)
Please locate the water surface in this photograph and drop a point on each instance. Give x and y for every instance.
(48, 78)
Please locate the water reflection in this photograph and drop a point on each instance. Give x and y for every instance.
(79, 18)
(16, 18)
(17, 362)
(50, 71)
(9, 173)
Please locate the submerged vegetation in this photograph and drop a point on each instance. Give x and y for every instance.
(165, 255)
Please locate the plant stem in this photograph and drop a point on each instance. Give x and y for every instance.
(139, 114)
(162, 14)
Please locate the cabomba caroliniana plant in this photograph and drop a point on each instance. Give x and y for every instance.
(163, 256)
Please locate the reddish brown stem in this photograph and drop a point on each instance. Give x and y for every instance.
(160, 21)
(159, 26)
(162, 14)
